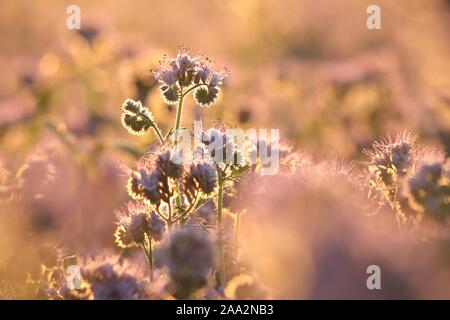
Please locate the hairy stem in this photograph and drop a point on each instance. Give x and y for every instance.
(154, 127)
(158, 133)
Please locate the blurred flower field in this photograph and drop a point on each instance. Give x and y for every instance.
(87, 170)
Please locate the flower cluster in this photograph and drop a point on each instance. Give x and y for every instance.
(391, 161)
(415, 181)
(169, 191)
(137, 119)
(189, 256)
(136, 224)
(157, 181)
(186, 73)
(110, 278)
(429, 191)
(153, 182)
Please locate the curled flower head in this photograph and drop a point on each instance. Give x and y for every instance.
(132, 225)
(202, 74)
(396, 154)
(145, 185)
(401, 155)
(151, 187)
(167, 77)
(134, 186)
(429, 191)
(217, 78)
(171, 94)
(110, 278)
(169, 165)
(391, 160)
(202, 175)
(135, 224)
(153, 183)
(206, 96)
(136, 118)
(187, 72)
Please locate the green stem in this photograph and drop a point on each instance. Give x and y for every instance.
(177, 127)
(149, 255)
(180, 108)
(178, 117)
(154, 127)
(220, 234)
(194, 87)
(158, 133)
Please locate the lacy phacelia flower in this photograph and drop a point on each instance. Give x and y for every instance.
(136, 224)
(132, 225)
(206, 95)
(189, 256)
(113, 279)
(201, 175)
(134, 186)
(430, 191)
(388, 155)
(152, 183)
(185, 72)
(167, 164)
(145, 185)
(390, 161)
